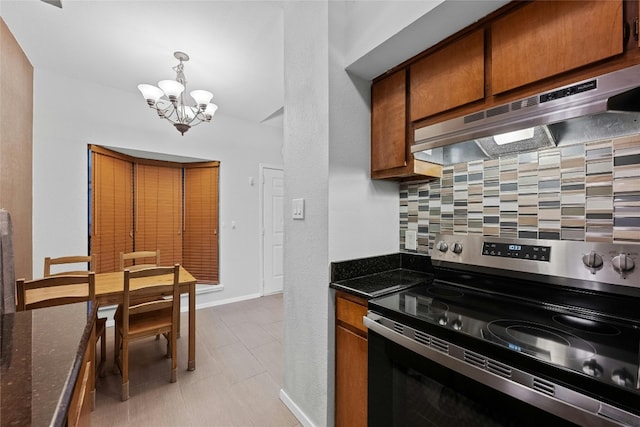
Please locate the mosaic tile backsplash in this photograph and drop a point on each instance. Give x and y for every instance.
(586, 192)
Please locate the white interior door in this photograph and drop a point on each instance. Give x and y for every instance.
(272, 229)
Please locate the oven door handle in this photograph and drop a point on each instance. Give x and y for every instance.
(576, 407)
(370, 318)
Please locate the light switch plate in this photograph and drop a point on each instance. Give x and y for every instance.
(297, 206)
(410, 240)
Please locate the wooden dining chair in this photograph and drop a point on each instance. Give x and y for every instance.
(90, 261)
(58, 290)
(146, 312)
(139, 259)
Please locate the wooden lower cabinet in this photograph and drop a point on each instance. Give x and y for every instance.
(351, 362)
(83, 397)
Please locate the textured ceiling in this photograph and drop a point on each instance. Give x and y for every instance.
(236, 47)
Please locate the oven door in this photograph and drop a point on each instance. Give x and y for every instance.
(409, 386)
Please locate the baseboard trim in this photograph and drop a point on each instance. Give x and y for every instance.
(295, 409)
(213, 303)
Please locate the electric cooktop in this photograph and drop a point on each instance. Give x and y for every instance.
(602, 349)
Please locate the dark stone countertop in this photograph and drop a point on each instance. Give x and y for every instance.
(41, 356)
(380, 275)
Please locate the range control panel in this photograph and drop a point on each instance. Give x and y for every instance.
(516, 250)
(614, 263)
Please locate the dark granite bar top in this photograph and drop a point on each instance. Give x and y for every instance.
(380, 275)
(41, 352)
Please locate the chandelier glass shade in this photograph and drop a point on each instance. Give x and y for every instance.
(168, 99)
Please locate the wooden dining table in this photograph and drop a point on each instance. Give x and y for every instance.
(110, 291)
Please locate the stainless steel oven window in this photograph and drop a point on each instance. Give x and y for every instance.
(401, 359)
(406, 389)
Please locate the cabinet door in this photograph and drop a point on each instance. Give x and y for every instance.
(545, 38)
(351, 313)
(351, 379)
(448, 78)
(82, 399)
(388, 122)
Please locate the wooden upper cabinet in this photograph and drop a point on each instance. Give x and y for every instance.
(545, 38)
(448, 78)
(389, 122)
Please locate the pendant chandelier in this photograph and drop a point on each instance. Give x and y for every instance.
(169, 99)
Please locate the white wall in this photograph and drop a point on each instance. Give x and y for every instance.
(363, 213)
(306, 157)
(371, 23)
(326, 153)
(69, 114)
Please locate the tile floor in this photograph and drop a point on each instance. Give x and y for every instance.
(237, 381)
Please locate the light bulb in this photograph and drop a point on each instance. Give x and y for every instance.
(151, 93)
(171, 88)
(202, 98)
(509, 137)
(210, 111)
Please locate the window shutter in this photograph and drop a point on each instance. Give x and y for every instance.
(111, 204)
(200, 244)
(158, 211)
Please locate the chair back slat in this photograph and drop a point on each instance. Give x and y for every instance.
(55, 290)
(55, 301)
(49, 262)
(150, 306)
(139, 260)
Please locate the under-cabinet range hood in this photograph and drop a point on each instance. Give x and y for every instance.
(601, 107)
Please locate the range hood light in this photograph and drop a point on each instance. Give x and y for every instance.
(515, 136)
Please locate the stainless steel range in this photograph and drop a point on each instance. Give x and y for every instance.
(511, 332)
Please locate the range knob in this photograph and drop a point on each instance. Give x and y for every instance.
(622, 378)
(457, 248)
(442, 246)
(442, 320)
(591, 367)
(623, 263)
(457, 324)
(592, 261)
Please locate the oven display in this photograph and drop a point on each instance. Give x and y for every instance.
(511, 250)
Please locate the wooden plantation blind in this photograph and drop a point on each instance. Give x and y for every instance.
(158, 211)
(142, 204)
(200, 241)
(111, 206)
